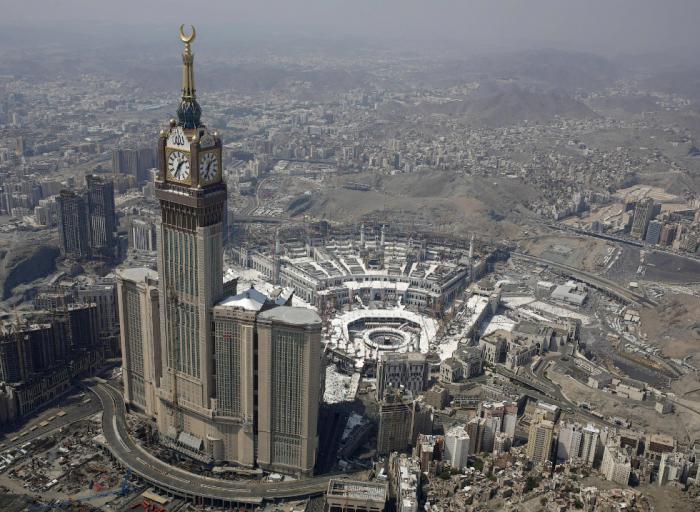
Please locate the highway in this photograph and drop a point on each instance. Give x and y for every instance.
(591, 279)
(74, 408)
(178, 482)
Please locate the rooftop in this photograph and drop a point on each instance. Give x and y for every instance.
(291, 315)
(250, 300)
(137, 274)
(357, 490)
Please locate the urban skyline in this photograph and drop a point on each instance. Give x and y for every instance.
(379, 279)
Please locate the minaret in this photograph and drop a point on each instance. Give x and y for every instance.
(276, 264)
(471, 259)
(362, 236)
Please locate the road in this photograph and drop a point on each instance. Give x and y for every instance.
(75, 411)
(591, 279)
(181, 483)
(623, 240)
(549, 392)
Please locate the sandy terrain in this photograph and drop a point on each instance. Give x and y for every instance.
(584, 253)
(443, 201)
(674, 326)
(684, 425)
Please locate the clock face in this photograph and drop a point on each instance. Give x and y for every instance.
(208, 166)
(179, 165)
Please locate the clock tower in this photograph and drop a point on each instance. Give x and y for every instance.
(192, 200)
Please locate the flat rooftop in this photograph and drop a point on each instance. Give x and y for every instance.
(291, 315)
(354, 489)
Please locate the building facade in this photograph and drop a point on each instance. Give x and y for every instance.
(139, 315)
(72, 225)
(408, 370)
(236, 376)
(289, 388)
(539, 441)
(102, 217)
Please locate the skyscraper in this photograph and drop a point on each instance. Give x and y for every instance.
(142, 235)
(289, 373)
(395, 418)
(100, 202)
(240, 376)
(569, 441)
(457, 446)
(133, 162)
(78, 325)
(643, 213)
(539, 441)
(190, 264)
(616, 465)
(103, 294)
(653, 232)
(72, 225)
(408, 369)
(139, 318)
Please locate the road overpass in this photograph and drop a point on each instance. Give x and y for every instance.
(177, 482)
(592, 280)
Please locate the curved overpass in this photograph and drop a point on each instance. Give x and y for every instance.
(178, 482)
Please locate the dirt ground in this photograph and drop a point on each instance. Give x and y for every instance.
(674, 326)
(664, 499)
(446, 202)
(584, 253)
(682, 424)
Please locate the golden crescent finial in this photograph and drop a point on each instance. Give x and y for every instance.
(184, 38)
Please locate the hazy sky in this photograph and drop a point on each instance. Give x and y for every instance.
(602, 26)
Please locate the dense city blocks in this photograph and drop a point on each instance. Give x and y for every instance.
(350, 258)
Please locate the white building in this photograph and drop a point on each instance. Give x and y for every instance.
(407, 482)
(616, 465)
(577, 443)
(674, 467)
(457, 447)
(570, 293)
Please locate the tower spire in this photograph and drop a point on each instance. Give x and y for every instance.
(189, 111)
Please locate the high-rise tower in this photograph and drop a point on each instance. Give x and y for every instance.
(240, 377)
(192, 200)
(72, 225)
(100, 202)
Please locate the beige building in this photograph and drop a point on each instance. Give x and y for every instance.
(139, 323)
(234, 344)
(240, 377)
(270, 409)
(289, 388)
(616, 465)
(396, 416)
(408, 369)
(539, 441)
(355, 496)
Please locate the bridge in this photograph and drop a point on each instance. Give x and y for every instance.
(174, 481)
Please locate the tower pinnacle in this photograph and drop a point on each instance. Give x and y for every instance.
(189, 111)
